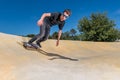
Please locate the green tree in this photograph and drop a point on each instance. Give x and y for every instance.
(55, 35)
(30, 35)
(97, 28)
(73, 33)
(65, 35)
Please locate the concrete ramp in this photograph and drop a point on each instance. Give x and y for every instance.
(71, 60)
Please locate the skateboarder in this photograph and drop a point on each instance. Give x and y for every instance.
(46, 21)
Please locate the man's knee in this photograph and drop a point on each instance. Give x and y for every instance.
(45, 39)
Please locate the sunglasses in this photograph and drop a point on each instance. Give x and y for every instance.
(65, 16)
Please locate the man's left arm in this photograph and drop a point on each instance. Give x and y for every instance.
(60, 32)
(59, 35)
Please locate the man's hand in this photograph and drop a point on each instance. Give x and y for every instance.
(57, 42)
(40, 22)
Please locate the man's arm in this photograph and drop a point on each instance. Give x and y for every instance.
(59, 35)
(40, 21)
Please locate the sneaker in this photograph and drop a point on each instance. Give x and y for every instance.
(38, 44)
(27, 45)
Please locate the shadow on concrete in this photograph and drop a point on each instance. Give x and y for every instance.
(53, 55)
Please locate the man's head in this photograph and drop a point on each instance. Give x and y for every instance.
(66, 13)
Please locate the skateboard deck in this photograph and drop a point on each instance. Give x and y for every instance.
(33, 48)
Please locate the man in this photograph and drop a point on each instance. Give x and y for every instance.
(46, 21)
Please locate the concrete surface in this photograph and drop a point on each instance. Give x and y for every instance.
(71, 60)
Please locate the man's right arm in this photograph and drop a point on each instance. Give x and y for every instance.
(45, 15)
(40, 21)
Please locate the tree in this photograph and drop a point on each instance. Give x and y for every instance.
(73, 32)
(119, 34)
(55, 35)
(65, 35)
(30, 35)
(97, 28)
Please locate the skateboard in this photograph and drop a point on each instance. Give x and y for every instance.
(32, 46)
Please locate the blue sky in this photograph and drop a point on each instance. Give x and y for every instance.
(19, 17)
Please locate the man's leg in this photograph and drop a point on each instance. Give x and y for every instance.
(33, 39)
(47, 32)
(38, 36)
